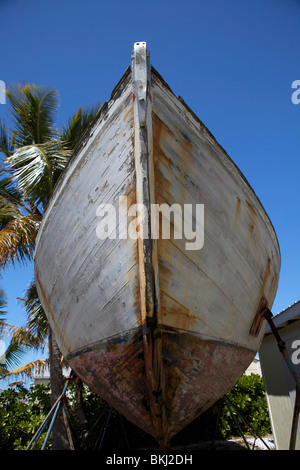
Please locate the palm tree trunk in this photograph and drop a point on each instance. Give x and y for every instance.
(59, 433)
(80, 403)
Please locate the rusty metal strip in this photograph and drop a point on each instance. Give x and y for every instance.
(148, 263)
(259, 317)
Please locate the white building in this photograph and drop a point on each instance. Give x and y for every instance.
(43, 376)
(278, 379)
(254, 367)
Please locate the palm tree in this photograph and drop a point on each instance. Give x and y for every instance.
(35, 153)
(18, 343)
(34, 335)
(3, 305)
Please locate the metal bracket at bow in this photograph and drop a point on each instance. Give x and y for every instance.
(141, 79)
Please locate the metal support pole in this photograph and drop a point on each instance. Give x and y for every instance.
(217, 422)
(87, 435)
(123, 427)
(236, 422)
(51, 424)
(54, 410)
(105, 428)
(255, 433)
(39, 432)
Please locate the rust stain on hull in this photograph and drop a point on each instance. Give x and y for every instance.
(180, 315)
(160, 133)
(128, 114)
(237, 211)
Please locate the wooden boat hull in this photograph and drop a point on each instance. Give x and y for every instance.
(159, 331)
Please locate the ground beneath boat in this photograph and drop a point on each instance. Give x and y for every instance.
(236, 443)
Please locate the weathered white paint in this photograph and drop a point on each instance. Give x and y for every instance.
(91, 284)
(214, 291)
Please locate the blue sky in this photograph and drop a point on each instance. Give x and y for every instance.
(233, 62)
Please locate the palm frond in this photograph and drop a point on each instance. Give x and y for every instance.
(33, 109)
(37, 324)
(8, 190)
(7, 329)
(26, 370)
(21, 341)
(3, 304)
(6, 140)
(36, 169)
(14, 354)
(26, 336)
(78, 125)
(17, 235)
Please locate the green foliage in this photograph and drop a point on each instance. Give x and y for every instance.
(120, 434)
(33, 109)
(22, 411)
(248, 395)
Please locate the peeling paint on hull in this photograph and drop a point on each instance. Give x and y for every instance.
(159, 332)
(197, 372)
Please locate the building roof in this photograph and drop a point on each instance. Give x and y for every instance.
(287, 316)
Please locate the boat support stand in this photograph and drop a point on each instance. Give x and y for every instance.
(52, 415)
(234, 413)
